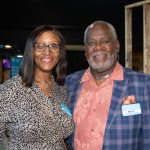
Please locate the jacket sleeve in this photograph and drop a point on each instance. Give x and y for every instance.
(146, 117)
(3, 115)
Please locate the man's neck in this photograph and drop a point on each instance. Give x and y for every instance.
(97, 75)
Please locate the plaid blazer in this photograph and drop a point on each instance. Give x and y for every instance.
(122, 132)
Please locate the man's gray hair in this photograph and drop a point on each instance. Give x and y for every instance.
(91, 26)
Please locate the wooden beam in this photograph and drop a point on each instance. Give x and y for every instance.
(137, 4)
(146, 37)
(128, 38)
(74, 47)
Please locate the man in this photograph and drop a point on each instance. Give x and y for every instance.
(110, 103)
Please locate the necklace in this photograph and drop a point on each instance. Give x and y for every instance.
(46, 85)
(104, 77)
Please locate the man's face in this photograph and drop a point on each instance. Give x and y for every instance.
(101, 48)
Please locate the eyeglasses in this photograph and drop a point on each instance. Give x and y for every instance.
(54, 48)
(94, 44)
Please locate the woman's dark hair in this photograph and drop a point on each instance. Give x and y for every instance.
(27, 67)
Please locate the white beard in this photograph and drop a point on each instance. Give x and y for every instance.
(101, 66)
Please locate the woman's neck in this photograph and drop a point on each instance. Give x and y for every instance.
(44, 81)
(47, 77)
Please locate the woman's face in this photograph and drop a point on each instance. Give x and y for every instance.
(46, 52)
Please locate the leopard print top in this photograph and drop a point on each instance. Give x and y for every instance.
(26, 123)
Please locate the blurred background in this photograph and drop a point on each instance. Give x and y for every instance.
(70, 17)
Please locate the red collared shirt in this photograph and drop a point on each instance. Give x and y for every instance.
(90, 114)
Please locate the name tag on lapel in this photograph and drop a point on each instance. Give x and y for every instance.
(65, 109)
(131, 109)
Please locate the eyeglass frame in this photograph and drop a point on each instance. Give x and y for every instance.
(49, 46)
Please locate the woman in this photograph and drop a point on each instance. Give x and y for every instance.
(30, 103)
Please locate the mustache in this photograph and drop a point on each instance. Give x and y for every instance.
(99, 53)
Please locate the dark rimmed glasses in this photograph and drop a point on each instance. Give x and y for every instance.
(41, 47)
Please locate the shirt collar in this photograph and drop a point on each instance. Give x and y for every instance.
(117, 74)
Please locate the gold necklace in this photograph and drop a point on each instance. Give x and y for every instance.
(46, 85)
(100, 78)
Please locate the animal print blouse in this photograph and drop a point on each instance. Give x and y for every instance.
(31, 120)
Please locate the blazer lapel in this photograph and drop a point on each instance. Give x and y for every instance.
(73, 95)
(119, 90)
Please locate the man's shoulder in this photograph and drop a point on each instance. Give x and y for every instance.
(76, 74)
(74, 78)
(130, 73)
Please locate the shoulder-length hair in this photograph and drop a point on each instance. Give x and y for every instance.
(27, 68)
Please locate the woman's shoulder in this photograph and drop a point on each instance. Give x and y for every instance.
(60, 88)
(60, 91)
(12, 83)
(8, 89)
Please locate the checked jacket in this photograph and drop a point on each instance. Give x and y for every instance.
(122, 132)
